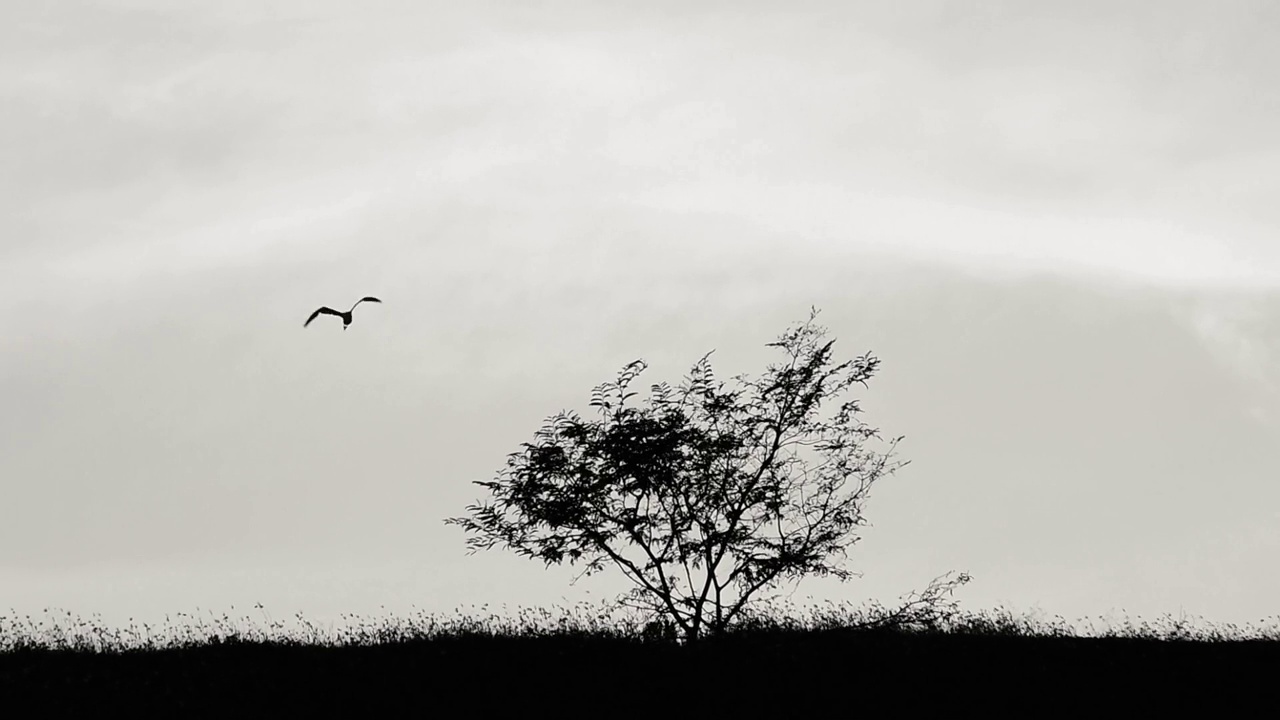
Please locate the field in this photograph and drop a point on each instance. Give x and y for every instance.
(586, 662)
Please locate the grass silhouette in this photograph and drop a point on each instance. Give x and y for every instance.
(781, 659)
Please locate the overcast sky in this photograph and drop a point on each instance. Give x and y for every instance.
(1054, 222)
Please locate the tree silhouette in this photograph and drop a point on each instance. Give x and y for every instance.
(703, 498)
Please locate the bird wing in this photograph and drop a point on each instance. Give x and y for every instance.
(366, 299)
(318, 313)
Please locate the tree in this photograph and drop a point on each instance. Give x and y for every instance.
(705, 497)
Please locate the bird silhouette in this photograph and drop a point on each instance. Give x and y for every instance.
(346, 316)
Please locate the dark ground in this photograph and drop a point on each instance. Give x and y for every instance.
(783, 674)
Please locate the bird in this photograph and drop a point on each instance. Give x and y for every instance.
(346, 316)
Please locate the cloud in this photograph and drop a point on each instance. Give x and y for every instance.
(1144, 250)
(921, 131)
(1243, 333)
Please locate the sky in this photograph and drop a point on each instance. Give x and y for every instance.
(1053, 222)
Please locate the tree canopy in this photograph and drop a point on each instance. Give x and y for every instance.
(704, 496)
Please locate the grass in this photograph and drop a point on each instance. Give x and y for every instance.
(782, 657)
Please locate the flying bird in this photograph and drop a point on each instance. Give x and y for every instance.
(346, 316)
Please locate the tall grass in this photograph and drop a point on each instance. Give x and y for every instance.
(59, 630)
